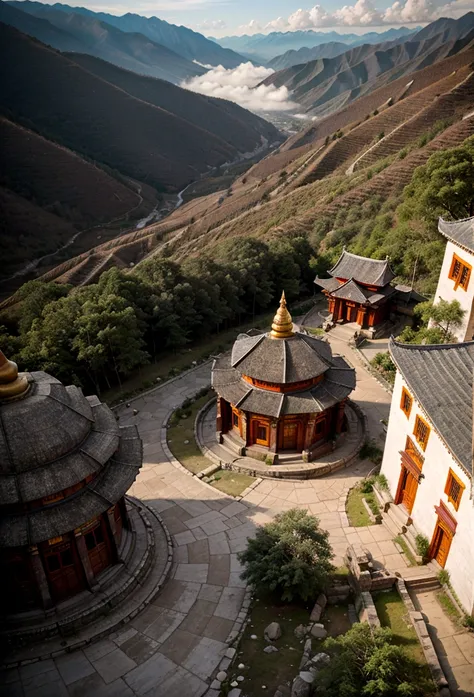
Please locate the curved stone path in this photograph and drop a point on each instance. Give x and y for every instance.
(172, 648)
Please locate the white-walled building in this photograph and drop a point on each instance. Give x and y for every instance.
(456, 281)
(428, 457)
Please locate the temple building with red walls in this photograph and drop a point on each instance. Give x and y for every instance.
(65, 466)
(281, 392)
(360, 292)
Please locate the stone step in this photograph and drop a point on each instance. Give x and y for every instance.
(422, 583)
(399, 516)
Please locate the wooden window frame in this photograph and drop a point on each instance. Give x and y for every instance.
(419, 419)
(456, 277)
(406, 395)
(447, 489)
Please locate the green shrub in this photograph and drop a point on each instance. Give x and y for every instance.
(367, 662)
(422, 545)
(468, 621)
(381, 135)
(290, 556)
(367, 485)
(382, 482)
(371, 451)
(443, 577)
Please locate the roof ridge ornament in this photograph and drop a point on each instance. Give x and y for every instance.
(282, 326)
(11, 384)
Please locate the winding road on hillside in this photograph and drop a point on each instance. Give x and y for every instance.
(173, 647)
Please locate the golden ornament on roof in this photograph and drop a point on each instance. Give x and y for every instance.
(282, 326)
(11, 384)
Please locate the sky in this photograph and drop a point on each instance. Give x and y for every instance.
(234, 17)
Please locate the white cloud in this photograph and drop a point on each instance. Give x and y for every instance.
(363, 13)
(211, 25)
(253, 27)
(241, 85)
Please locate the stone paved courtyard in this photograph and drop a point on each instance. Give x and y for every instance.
(172, 648)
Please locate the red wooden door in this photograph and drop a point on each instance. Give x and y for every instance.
(407, 489)
(440, 545)
(63, 571)
(290, 436)
(98, 549)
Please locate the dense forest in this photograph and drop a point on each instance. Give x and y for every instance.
(95, 335)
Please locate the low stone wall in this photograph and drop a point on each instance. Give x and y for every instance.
(424, 638)
(366, 610)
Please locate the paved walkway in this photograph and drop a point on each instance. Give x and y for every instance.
(174, 645)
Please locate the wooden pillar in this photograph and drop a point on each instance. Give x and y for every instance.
(340, 416)
(308, 437)
(84, 559)
(111, 535)
(40, 578)
(273, 436)
(244, 420)
(361, 315)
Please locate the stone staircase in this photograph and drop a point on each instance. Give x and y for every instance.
(344, 332)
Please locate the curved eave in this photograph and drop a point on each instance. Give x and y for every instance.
(459, 232)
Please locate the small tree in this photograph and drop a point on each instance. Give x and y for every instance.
(290, 556)
(366, 662)
(445, 315)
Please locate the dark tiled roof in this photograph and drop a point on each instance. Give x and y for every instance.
(373, 272)
(297, 358)
(51, 439)
(329, 284)
(441, 379)
(461, 232)
(350, 290)
(338, 383)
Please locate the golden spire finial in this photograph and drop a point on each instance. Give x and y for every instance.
(282, 327)
(11, 384)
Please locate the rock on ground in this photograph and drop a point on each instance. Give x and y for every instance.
(272, 632)
(300, 688)
(300, 631)
(318, 631)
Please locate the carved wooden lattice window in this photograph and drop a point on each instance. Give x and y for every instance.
(453, 489)
(406, 402)
(460, 273)
(421, 432)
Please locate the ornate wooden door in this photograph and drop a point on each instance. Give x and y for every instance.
(62, 570)
(408, 487)
(290, 436)
(98, 549)
(440, 545)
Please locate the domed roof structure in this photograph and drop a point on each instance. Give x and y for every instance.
(309, 377)
(65, 466)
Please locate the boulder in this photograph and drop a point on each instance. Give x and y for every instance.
(320, 660)
(300, 631)
(307, 676)
(270, 649)
(221, 675)
(272, 632)
(316, 613)
(300, 688)
(318, 631)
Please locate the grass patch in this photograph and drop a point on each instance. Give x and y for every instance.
(448, 606)
(406, 550)
(315, 331)
(233, 483)
(191, 457)
(279, 668)
(371, 451)
(355, 509)
(393, 614)
(181, 430)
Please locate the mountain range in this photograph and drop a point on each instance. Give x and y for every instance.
(264, 47)
(181, 40)
(327, 84)
(83, 117)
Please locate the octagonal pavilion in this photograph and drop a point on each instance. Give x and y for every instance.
(281, 392)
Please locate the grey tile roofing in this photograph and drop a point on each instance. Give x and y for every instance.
(460, 232)
(51, 439)
(441, 379)
(284, 363)
(373, 272)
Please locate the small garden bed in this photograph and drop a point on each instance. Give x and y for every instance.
(182, 443)
(355, 509)
(393, 614)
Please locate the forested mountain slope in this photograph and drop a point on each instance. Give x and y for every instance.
(67, 104)
(76, 32)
